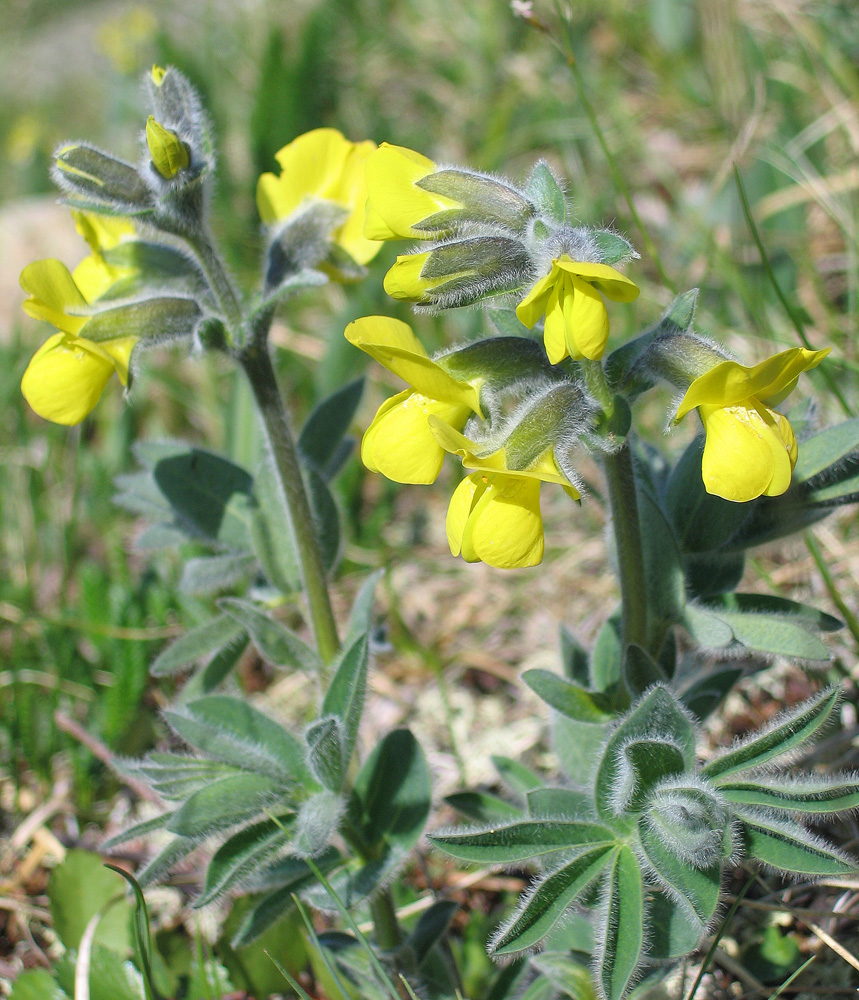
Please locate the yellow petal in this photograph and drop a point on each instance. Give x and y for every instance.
(119, 351)
(729, 383)
(403, 281)
(52, 291)
(587, 322)
(745, 456)
(94, 276)
(458, 511)
(65, 379)
(399, 442)
(375, 227)
(506, 524)
(169, 154)
(102, 232)
(392, 343)
(535, 303)
(351, 192)
(392, 173)
(367, 440)
(608, 280)
(555, 327)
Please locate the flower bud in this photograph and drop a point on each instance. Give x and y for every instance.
(169, 154)
(100, 181)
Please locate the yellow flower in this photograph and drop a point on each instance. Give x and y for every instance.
(570, 295)
(494, 514)
(322, 165)
(399, 442)
(750, 450)
(67, 375)
(397, 206)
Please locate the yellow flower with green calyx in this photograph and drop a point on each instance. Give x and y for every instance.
(322, 165)
(396, 204)
(404, 281)
(494, 514)
(750, 450)
(94, 275)
(571, 297)
(169, 154)
(67, 375)
(399, 442)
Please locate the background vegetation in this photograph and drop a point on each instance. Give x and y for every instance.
(675, 92)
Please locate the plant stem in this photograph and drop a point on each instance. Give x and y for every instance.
(257, 365)
(220, 284)
(620, 479)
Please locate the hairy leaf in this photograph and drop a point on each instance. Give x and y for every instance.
(623, 941)
(344, 698)
(790, 847)
(223, 804)
(566, 697)
(483, 807)
(243, 853)
(806, 794)
(194, 644)
(698, 888)
(565, 803)
(277, 643)
(521, 840)
(326, 426)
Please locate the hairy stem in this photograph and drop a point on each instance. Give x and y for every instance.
(257, 365)
(220, 284)
(620, 479)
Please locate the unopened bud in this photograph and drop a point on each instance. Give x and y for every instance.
(157, 75)
(483, 199)
(169, 154)
(100, 180)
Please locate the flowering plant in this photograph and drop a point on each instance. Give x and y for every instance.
(631, 842)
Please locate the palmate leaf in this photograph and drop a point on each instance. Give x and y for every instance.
(623, 939)
(521, 840)
(544, 906)
(786, 732)
(176, 778)
(809, 794)
(789, 847)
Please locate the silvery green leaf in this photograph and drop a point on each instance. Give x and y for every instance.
(789, 847)
(823, 450)
(518, 778)
(563, 803)
(206, 575)
(622, 943)
(547, 194)
(574, 659)
(521, 840)
(344, 698)
(566, 697)
(786, 732)
(224, 803)
(157, 318)
(101, 181)
(277, 643)
(812, 794)
(326, 427)
(243, 853)
(326, 752)
(195, 643)
(482, 807)
(698, 888)
(551, 896)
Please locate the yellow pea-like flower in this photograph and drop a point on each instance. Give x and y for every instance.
(750, 450)
(322, 165)
(494, 514)
(399, 442)
(571, 298)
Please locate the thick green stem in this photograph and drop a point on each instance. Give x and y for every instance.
(260, 372)
(620, 479)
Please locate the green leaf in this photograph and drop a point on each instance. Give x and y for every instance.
(607, 657)
(771, 605)
(518, 778)
(578, 746)
(825, 449)
(482, 807)
(563, 803)
(706, 629)
(79, 887)
(665, 581)
(326, 518)
(243, 854)
(175, 777)
(136, 831)
(704, 695)
(786, 731)
(101, 181)
(361, 618)
(521, 840)
(698, 887)
(622, 943)
(775, 636)
(544, 906)
(277, 643)
(208, 575)
(326, 427)
(817, 796)
(566, 697)
(656, 716)
(344, 698)
(231, 730)
(613, 248)
(505, 322)
(713, 573)
(572, 978)
(642, 764)
(210, 496)
(142, 937)
(671, 932)
(430, 929)
(326, 752)
(789, 847)
(36, 984)
(171, 854)
(546, 193)
(574, 659)
(640, 670)
(391, 796)
(194, 644)
(271, 533)
(223, 804)
(701, 521)
(110, 976)
(213, 673)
